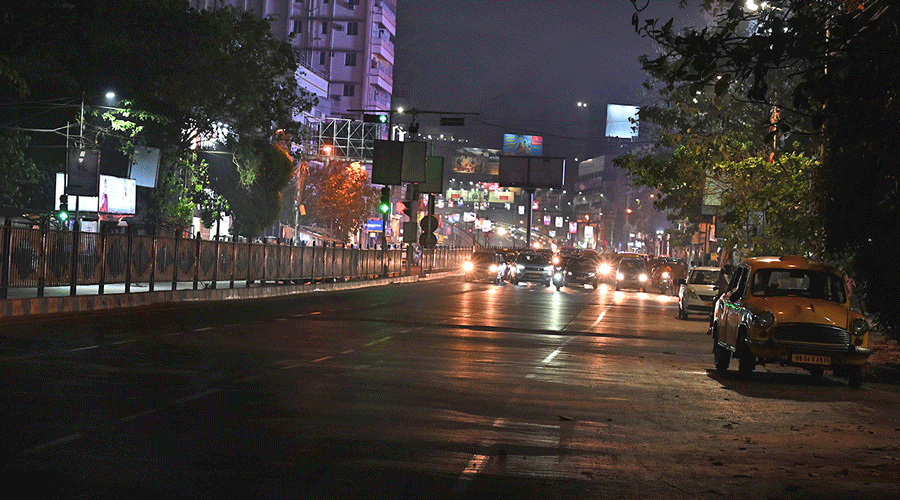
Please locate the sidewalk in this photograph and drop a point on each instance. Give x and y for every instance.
(23, 302)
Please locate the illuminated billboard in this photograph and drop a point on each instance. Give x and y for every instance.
(618, 121)
(523, 145)
(117, 196)
(475, 161)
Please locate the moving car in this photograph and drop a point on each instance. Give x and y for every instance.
(485, 266)
(791, 311)
(579, 270)
(698, 293)
(632, 274)
(532, 267)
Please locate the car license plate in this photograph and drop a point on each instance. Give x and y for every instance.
(809, 359)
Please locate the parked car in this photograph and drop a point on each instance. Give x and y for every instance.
(697, 294)
(791, 311)
(632, 274)
(532, 267)
(485, 266)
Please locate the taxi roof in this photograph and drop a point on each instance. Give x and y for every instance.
(788, 262)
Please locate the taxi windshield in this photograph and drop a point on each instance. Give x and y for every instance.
(704, 277)
(798, 283)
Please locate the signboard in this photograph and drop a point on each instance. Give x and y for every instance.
(618, 121)
(532, 172)
(395, 162)
(376, 225)
(144, 166)
(475, 161)
(523, 145)
(117, 195)
(83, 170)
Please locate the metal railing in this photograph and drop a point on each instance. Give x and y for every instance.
(38, 259)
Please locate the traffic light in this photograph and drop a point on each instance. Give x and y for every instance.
(63, 213)
(379, 118)
(385, 206)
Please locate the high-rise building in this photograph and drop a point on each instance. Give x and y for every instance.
(348, 42)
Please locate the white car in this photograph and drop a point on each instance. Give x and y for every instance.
(698, 293)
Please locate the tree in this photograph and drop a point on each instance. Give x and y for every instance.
(839, 61)
(209, 68)
(342, 198)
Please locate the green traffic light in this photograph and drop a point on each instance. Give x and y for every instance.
(64, 216)
(384, 207)
(383, 118)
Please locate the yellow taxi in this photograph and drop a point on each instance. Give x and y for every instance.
(791, 311)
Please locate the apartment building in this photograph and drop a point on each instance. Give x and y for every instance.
(349, 43)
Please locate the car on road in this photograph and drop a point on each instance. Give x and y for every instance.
(791, 311)
(632, 274)
(532, 267)
(485, 266)
(580, 270)
(697, 294)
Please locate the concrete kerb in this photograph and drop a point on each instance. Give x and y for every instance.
(20, 307)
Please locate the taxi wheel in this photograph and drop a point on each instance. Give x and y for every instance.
(722, 357)
(855, 376)
(746, 362)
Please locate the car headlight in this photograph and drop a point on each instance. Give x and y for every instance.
(859, 326)
(493, 268)
(555, 260)
(691, 293)
(765, 319)
(642, 277)
(557, 276)
(665, 275)
(620, 276)
(468, 266)
(604, 269)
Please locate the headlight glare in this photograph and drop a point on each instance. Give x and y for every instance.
(642, 277)
(605, 269)
(620, 276)
(468, 266)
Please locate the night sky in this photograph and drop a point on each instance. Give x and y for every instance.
(522, 65)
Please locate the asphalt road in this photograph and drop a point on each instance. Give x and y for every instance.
(436, 389)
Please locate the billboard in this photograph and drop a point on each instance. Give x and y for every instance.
(523, 145)
(475, 161)
(618, 121)
(532, 172)
(117, 196)
(83, 170)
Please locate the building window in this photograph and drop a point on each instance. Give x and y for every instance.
(296, 26)
(352, 28)
(349, 90)
(324, 27)
(350, 59)
(351, 4)
(322, 58)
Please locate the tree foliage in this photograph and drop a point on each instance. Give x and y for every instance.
(194, 70)
(830, 68)
(339, 197)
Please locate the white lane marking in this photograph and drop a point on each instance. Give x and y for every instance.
(323, 358)
(173, 334)
(348, 351)
(599, 318)
(196, 396)
(552, 355)
(203, 329)
(370, 344)
(128, 341)
(84, 348)
(476, 464)
(55, 442)
(139, 415)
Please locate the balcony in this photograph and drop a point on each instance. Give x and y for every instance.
(382, 45)
(381, 75)
(384, 16)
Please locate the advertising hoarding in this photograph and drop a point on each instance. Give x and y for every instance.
(523, 145)
(618, 122)
(475, 161)
(117, 196)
